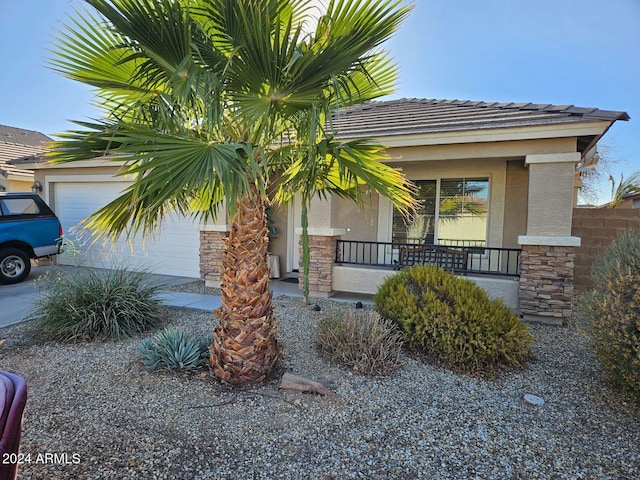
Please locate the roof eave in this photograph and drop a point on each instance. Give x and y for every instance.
(481, 135)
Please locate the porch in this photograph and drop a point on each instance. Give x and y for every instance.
(457, 256)
(360, 267)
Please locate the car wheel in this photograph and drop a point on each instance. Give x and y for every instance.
(14, 265)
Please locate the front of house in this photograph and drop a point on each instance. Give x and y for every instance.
(497, 185)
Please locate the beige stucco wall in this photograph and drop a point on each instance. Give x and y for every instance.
(491, 149)
(278, 246)
(498, 172)
(551, 194)
(17, 185)
(515, 204)
(359, 224)
(512, 209)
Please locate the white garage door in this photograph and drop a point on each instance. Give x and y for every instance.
(173, 251)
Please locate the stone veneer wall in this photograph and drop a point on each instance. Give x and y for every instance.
(211, 255)
(322, 256)
(546, 282)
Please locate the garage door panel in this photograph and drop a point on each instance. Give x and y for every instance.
(174, 250)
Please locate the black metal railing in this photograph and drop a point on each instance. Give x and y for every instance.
(464, 260)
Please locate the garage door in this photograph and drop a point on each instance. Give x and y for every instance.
(173, 251)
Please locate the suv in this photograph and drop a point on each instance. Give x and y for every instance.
(28, 229)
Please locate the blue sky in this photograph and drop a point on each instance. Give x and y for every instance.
(580, 52)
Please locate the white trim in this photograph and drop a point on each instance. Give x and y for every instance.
(323, 232)
(573, 157)
(94, 162)
(385, 219)
(91, 178)
(547, 240)
(527, 132)
(291, 230)
(221, 227)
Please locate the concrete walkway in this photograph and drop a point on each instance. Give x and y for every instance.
(195, 301)
(17, 302)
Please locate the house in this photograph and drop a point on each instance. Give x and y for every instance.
(632, 200)
(497, 184)
(17, 148)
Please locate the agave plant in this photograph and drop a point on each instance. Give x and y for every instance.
(212, 101)
(172, 349)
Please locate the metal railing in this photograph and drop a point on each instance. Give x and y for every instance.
(464, 260)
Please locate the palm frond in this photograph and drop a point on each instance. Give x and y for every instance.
(625, 187)
(343, 168)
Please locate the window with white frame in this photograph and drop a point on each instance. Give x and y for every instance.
(451, 211)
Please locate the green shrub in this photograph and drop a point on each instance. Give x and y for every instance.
(453, 319)
(361, 341)
(174, 349)
(93, 304)
(611, 311)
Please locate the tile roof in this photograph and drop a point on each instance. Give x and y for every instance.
(7, 170)
(10, 152)
(415, 115)
(20, 136)
(18, 146)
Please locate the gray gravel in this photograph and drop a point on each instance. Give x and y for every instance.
(95, 403)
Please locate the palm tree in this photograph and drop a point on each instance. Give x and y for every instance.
(212, 101)
(625, 187)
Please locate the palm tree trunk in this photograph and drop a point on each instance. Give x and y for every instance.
(245, 348)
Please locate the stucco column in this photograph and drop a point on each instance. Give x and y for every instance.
(211, 250)
(548, 249)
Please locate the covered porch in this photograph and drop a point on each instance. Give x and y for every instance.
(496, 183)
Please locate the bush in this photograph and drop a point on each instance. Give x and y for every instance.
(95, 304)
(361, 341)
(173, 349)
(611, 311)
(453, 320)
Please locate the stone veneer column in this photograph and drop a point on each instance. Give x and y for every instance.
(548, 249)
(211, 254)
(322, 253)
(546, 282)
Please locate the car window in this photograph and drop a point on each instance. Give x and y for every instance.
(19, 206)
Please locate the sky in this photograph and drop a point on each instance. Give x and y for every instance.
(579, 52)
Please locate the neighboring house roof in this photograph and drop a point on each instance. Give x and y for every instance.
(415, 116)
(19, 146)
(632, 195)
(20, 136)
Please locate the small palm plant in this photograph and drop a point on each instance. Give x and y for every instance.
(625, 187)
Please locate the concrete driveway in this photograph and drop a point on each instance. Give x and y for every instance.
(17, 301)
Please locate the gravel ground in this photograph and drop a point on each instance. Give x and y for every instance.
(94, 413)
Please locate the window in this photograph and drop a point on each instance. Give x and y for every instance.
(19, 206)
(452, 211)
